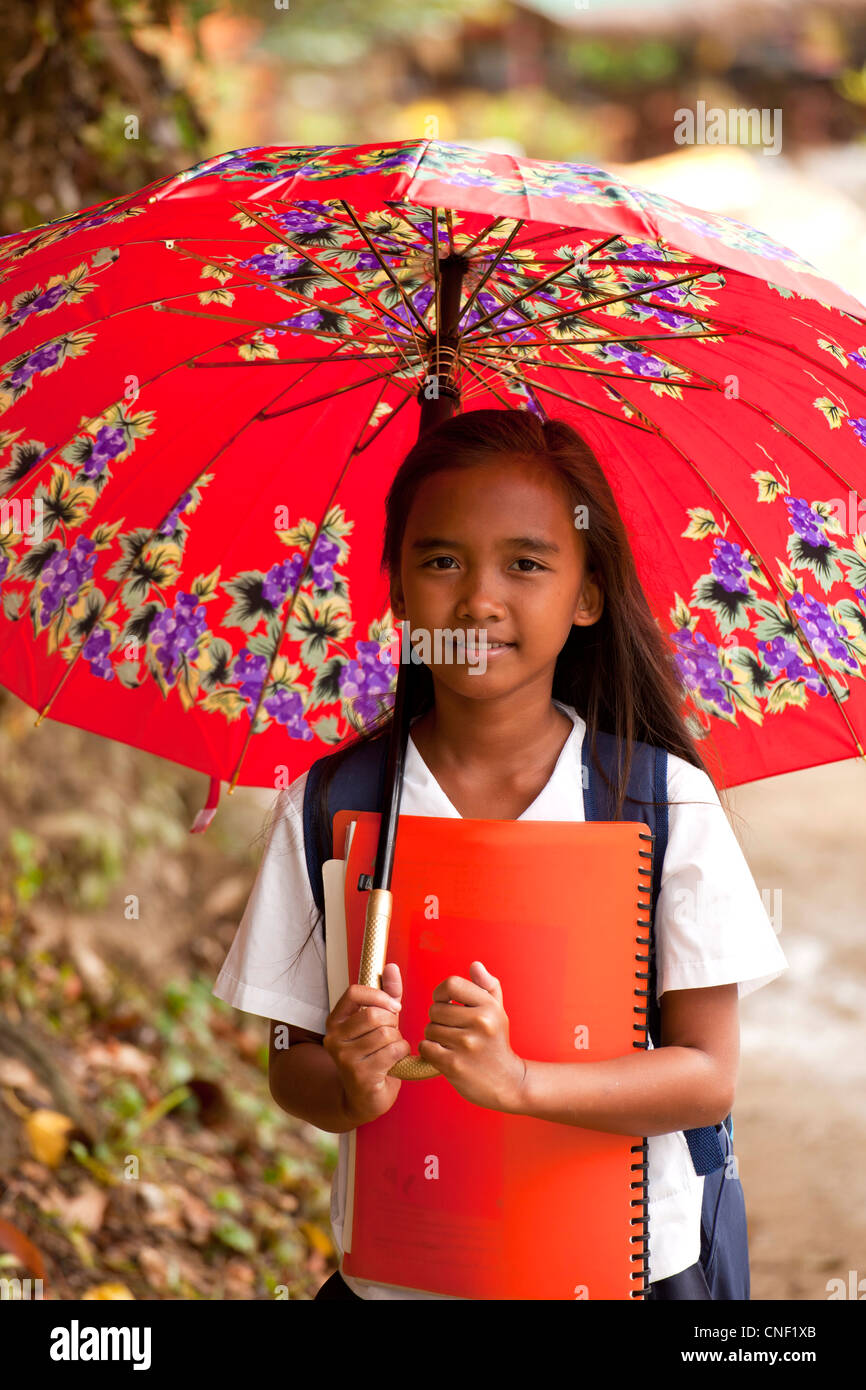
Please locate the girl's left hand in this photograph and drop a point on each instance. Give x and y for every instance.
(468, 1040)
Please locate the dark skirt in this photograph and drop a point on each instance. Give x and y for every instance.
(336, 1287)
(689, 1283)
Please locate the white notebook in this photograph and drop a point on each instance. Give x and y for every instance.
(337, 963)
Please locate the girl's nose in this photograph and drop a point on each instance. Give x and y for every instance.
(479, 603)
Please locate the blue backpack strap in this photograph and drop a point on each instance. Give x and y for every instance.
(357, 785)
(647, 781)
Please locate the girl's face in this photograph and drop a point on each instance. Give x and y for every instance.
(495, 547)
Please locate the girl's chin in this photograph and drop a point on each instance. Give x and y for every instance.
(468, 678)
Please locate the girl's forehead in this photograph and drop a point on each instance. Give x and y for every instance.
(504, 479)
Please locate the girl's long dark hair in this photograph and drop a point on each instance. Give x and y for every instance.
(619, 673)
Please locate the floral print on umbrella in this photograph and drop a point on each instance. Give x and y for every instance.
(780, 668)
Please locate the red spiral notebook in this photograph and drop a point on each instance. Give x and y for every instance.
(449, 1197)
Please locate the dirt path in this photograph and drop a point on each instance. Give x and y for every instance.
(800, 1112)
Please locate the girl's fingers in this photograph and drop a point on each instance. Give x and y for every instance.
(442, 1036)
(389, 1053)
(453, 1015)
(358, 997)
(375, 1050)
(392, 980)
(460, 990)
(363, 1021)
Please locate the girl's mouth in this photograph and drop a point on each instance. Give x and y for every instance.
(495, 648)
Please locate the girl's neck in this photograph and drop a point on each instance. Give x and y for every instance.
(505, 740)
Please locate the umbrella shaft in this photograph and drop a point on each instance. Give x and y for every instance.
(440, 393)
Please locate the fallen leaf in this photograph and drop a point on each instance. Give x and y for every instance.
(15, 1105)
(318, 1239)
(24, 1250)
(16, 1073)
(197, 1215)
(119, 1057)
(108, 1292)
(94, 973)
(160, 1210)
(48, 1136)
(154, 1267)
(86, 1209)
(240, 1279)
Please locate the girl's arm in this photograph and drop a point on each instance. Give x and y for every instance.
(304, 1080)
(686, 1083)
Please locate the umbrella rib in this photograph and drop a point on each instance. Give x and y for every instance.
(276, 323)
(536, 287)
(470, 245)
(509, 349)
(292, 361)
(765, 569)
(416, 231)
(541, 386)
(327, 395)
(373, 304)
(291, 604)
(595, 371)
(579, 309)
(32, 473)
(719, 388)
(566, 231)
(391, 416)
(774, 342)
(24, 269)
(493, 348)
(135, 558)
(561, 230)
(388, 271)
(437, 280)
(621, 263)
(325, 270)
(449, 227)
(358, 449)
(716, 386)
(401, 246)
(159, 305)
(574, 313)
(484, 278)
(156, 304)
(304, 253)
(488, 386)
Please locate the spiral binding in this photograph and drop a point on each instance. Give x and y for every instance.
(641, 1257)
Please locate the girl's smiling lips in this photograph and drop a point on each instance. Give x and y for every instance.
(494, 648)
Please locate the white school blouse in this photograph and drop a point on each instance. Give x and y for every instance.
(711, 929)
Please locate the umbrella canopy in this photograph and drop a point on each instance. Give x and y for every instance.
(208, 385)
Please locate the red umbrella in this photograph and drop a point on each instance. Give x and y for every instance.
(207, 385)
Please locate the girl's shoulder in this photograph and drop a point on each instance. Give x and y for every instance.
(287, 809)
(689, 783)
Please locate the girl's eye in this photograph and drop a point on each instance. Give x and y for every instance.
(428, 563)
(523, 560)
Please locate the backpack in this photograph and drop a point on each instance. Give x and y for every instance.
(359, 784)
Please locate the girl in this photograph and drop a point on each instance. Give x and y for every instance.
(480, 533)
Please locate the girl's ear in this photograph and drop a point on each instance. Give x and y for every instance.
(397, 607)
(590, 605)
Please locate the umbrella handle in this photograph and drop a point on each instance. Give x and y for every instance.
(373, 951)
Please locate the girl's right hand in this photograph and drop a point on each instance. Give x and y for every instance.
(363, 1037)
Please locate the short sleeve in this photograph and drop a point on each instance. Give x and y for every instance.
(711, 926)
(275, 966)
